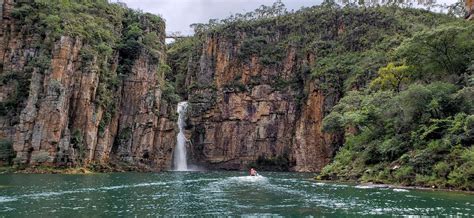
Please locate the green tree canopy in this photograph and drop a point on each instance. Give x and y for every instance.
(445, 52)
(392, 77)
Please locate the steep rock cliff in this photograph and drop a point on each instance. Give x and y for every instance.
(252, 113)
(69, 99)
(469, 7)
(260, 84)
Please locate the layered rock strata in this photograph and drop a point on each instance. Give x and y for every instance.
(51, 114)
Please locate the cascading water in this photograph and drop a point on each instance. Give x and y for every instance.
(180, 162)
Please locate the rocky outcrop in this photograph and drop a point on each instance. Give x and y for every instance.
(261, 84)
(314, 148)
(244, 112)
(51, 112)
(146, 133)
(469, 7)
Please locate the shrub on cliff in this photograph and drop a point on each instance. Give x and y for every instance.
(401, 96)
(103, 29)
(21, 83)
(412, 125)
(443, 53)
(415, 134)
(6, 151)
(181, 54)
(326, 31)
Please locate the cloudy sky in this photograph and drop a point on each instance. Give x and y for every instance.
(179, 14)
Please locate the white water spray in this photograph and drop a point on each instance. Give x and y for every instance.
(180, 162)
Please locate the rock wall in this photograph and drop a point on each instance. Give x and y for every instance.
(51, 114)
(260, 84)
(251, 113)
(259, 87)
(469, 7)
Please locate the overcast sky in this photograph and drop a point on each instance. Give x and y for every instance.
(179, 14)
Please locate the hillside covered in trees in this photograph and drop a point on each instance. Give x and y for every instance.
(413, 124)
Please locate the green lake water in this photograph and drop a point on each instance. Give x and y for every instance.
(214, 193)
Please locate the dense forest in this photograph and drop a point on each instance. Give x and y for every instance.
(413, 123)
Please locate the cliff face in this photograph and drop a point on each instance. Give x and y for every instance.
(52, 98)
(255, 113)
(87, 84)
(469, 7)
(260, 85)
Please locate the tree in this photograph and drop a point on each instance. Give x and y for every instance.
(262, 12)
(370, 3)
(392, 77)
(278, 8)
(441, 53)
(462, 7)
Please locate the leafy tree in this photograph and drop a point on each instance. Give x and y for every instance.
(392, 77)
(6, 151)
(277, 9)
(261, 13)
(179, 56)
(444, 52)
(420, 130)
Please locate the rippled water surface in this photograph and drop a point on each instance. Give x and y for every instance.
(214, 193)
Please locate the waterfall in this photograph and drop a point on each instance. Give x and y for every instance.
(180, 162)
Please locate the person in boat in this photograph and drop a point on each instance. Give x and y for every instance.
(253, 172)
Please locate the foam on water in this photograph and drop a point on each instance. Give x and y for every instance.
(83, 190)
(364, 187)
(220, 185)
(7, 199)
(371, 186)
(400, 190)
(257, 178)
(228, 193)
(262, 182)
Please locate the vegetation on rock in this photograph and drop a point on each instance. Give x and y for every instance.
(79, 57)
(398, 83)
(103, 28)
(404, 76)
(6, 152)
(413, 125)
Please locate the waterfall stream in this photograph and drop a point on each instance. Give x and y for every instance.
(180, 162)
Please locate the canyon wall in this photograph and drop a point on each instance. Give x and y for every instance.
(256, 113)
(260, 85)
(469, 7)
(92, 85)
(52, 98)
